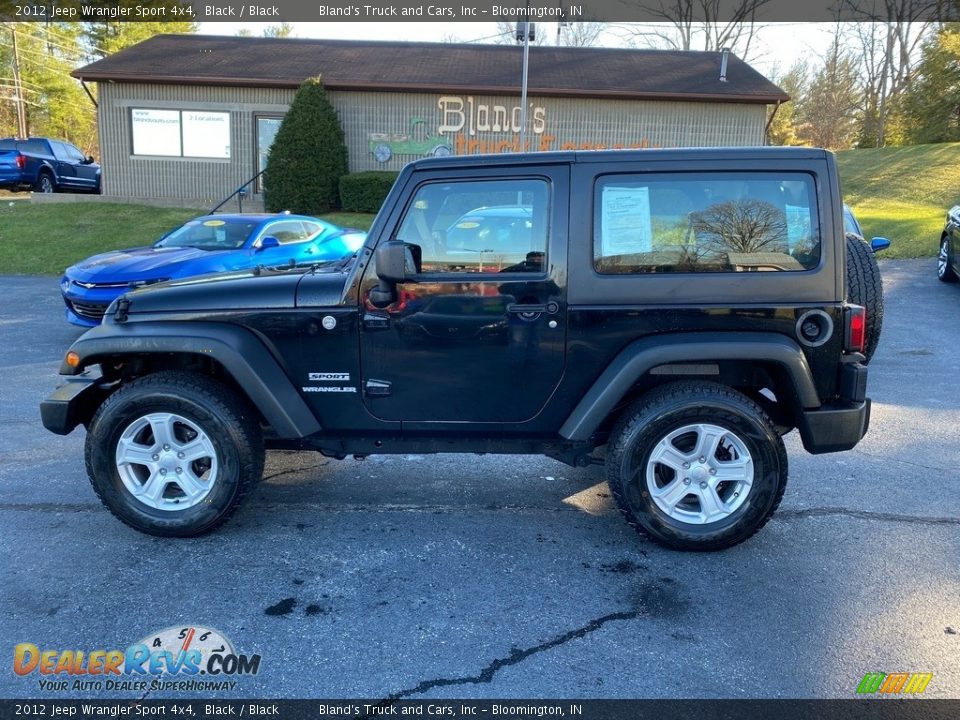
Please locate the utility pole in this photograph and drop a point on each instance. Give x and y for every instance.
(525, 32)
(18, 87)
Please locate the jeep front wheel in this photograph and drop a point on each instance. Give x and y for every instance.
(696, 466)
(174, 454)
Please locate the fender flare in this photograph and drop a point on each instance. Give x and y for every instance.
(244, 356)
(641, 356)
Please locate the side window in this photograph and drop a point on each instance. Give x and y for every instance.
(487, 226)
(60, 151)
(733, 222)
(74, 154)
(34, 147)
(287, 231)
(311, 228)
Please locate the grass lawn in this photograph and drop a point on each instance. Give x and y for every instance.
(902, 193)
(45, 239)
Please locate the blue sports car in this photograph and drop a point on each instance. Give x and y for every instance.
(208, 244)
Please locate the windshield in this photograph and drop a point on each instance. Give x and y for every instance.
(211, 234)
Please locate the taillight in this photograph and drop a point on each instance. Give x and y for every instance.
(21, 162)
(855, 336)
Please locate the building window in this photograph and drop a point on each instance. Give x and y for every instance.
(176, 133)
(732, 222)
(267, 127)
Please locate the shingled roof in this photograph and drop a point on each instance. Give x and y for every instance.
(433, 67)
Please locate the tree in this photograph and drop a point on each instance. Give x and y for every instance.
(932, 104)
(783, 129)
(280, 30)
(696, 25)
(55, 103)
(308, 156)
(887, 45)
(106, 38)
(568, 34)
(829, 113)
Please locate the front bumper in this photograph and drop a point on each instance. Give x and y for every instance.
(73, 403)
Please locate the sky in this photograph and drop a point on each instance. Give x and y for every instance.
(779, 44)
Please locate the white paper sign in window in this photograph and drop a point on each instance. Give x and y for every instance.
(206, 134)
(625, 221)
(156, 132)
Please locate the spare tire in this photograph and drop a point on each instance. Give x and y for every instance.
(865, 287)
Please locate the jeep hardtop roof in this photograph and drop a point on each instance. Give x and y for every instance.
(614, 156)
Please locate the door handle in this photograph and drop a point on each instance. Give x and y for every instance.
(530, 310)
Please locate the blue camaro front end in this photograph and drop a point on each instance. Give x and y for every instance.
(209, 244)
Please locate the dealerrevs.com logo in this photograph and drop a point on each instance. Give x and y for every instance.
(191, 658)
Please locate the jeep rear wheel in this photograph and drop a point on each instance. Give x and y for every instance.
(865, 288)
(174, 454)
(696, 466)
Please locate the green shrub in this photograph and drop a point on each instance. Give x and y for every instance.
(365, 191)
(308, 156)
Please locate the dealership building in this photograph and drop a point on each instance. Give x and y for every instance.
(192, 117)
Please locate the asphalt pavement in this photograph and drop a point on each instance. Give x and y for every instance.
(506, 577)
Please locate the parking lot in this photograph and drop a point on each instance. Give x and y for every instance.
(501, 577)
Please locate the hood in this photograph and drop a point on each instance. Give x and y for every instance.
(228, 292)
(143, 263)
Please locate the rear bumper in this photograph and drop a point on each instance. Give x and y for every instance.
(73, 403)
(834, 428)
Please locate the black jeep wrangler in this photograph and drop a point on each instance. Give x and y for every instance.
(667, 313)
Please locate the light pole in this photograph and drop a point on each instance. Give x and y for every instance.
(525, 33)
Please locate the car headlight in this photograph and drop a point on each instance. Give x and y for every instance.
(64, 283)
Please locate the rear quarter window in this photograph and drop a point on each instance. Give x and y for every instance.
(34, 147)
(695, 223)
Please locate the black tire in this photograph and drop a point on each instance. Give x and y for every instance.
(865, 288)
(669, 408)
(224, 417)
(945, 271)
(44, 183)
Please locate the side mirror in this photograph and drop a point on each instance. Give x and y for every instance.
(268, 242)
(879, 243)
(396, 262)
(90, 160)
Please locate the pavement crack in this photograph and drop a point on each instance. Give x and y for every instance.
(293, 471)
(515, 657)
(865, 515)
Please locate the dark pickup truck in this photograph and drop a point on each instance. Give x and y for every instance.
(46, 166)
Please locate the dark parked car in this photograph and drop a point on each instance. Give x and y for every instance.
(45, 166)
(948, 259)
(212, 243)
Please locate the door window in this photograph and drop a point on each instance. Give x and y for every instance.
(60, 151)
(490, 226)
